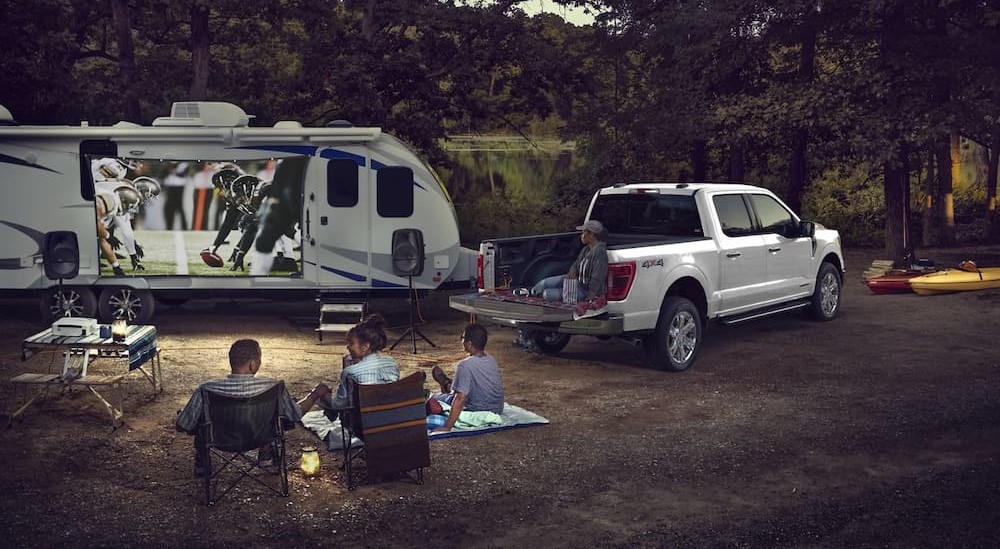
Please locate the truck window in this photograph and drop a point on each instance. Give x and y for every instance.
(774, 218)
(655, 214)
(733, 215)
(342, 182)
(394, 192)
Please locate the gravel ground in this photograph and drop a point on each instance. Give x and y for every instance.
(877, 429)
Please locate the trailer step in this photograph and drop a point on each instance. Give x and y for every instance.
(344, 328)
(342, 308)
(339, 315)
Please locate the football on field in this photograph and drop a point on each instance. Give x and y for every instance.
(211, 259)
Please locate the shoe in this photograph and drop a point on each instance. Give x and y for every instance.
(118, 271)
(439, 376)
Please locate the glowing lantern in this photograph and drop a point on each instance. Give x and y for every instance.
(309, 463)
(119, 329)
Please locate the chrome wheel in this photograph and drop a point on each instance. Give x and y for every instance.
(829, 294)
(682, 338)
(67, 301)
(135, 306)
(826, 296)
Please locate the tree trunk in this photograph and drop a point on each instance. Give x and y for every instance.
(126, 59)
(201, 42)
(991, 173)
(945, 232)
(898, 246)
(798, 176)
(737, 163)
(368, 21)
(699, 161)
(930, 203)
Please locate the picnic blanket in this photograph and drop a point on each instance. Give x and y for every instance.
(511, 418)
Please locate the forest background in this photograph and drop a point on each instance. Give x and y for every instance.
(875, 117)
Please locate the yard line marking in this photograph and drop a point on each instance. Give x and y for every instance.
(180, 253)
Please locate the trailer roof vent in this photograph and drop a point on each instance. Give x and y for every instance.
(213, 114)
(287, 125)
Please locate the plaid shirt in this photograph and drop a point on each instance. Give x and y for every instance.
(374, 369)
(235, 385)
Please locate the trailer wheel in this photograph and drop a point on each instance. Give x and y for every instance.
(135, 306)
(675, 343)
(550, 343)
(56, 302)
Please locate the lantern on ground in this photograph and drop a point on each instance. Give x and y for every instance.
(309, 462)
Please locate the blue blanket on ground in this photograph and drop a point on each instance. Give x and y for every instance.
(511, 418)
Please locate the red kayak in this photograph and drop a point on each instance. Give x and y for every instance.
(893, 282)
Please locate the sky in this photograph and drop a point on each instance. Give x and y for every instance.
(571, 15)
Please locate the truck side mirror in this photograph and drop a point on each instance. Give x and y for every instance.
(807, 228)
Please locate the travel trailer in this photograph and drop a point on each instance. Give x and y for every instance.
(362, 214)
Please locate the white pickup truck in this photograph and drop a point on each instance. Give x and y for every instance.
(679, 255)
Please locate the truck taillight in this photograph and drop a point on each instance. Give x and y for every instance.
(479, 272)
(620, 277)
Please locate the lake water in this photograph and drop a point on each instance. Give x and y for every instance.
(505, 186)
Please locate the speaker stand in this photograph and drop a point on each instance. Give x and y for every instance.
(412, 331)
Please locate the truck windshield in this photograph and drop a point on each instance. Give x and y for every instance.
(655, 214)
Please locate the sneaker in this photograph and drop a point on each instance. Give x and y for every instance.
(439, 376)
(118, 271)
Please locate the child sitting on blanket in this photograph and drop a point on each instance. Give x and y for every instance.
(477, 386)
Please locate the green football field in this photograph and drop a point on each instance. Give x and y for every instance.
(178, 253)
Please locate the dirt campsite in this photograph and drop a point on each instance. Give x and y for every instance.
(876, 429)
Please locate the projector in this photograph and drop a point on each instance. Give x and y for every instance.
(74, 326)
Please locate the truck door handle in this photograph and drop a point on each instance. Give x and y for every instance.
(733, 254)
(774, 250)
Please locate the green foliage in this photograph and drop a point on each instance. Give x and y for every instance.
(850, 201)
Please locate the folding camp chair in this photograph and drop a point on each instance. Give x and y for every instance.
(391, 421)
(231, 428)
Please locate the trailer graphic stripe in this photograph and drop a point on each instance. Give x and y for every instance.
(7, 159)
(345, 274)
(10, 263)
(337, 153)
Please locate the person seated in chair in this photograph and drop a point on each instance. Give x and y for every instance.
(244, 361)
(478, 385)
(368, 365)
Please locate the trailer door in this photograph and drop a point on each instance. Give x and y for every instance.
(343, 224)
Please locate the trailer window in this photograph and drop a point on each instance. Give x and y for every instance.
(394, 192)
(342, 182)
(733, 215)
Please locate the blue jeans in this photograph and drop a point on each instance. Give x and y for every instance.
(551, 289)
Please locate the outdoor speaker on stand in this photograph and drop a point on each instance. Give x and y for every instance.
(408, 261)
(61, 256)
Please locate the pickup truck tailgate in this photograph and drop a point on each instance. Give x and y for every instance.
(511, 307)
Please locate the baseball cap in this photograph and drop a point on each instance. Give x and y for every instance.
(593, 226)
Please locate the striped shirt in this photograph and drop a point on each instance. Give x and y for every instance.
(235, 385)
(374, 369)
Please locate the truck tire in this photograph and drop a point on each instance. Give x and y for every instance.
(56, 302)
(550, 343)
(135, 306)
(674, 345)
(826, 296)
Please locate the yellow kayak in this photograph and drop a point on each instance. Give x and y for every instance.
(956, 280)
